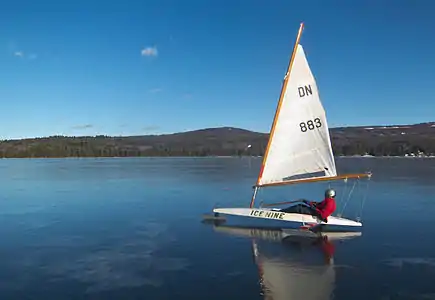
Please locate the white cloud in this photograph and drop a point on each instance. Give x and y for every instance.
(21, 54)
(149, 51)
(17, 52)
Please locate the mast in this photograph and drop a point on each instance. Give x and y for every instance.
(272, 130)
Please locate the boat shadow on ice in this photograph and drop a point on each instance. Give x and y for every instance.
(291, 262)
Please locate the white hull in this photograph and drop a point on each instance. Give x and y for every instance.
(275, 214)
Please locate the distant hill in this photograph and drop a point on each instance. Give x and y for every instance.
(395, 140)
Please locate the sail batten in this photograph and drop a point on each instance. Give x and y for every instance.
(301, 143)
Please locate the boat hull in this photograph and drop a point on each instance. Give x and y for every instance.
(276, 214)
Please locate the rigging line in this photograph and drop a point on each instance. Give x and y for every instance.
(344, 192)
(358, 189)
(348, 198)
(364, 198)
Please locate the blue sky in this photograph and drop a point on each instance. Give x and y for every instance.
(131, 67)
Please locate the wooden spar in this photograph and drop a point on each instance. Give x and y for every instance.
(272, 130)
(311, 180)
(306, 180)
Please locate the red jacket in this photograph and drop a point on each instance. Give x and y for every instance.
(326, 207)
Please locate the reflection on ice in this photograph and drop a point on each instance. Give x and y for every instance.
(293, 264)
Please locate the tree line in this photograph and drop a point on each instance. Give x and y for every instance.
(211, 142)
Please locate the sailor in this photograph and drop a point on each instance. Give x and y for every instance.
(325, 208)
(322, 209)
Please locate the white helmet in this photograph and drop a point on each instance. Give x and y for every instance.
(330, 193)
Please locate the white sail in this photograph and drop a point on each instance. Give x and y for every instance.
(300, 146)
